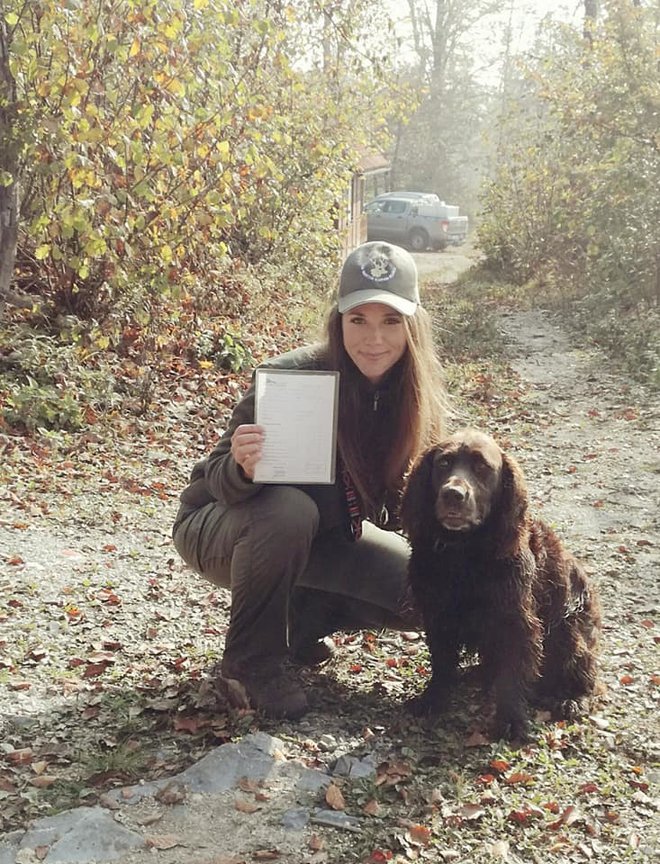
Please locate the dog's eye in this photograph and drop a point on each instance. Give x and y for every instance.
(482, 468)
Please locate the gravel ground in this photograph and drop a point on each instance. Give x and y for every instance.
(106, 643)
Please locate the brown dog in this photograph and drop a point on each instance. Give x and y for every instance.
(490, 580)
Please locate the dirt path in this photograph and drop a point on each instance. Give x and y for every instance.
(446, 266)
(97, 610)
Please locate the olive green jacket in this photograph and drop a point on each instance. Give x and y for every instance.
(219, 478)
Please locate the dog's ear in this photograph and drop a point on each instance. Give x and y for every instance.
(418, 504)
(511, 524)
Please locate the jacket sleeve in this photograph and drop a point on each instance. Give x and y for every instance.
(224, 477)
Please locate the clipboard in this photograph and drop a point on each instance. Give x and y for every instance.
(298, 409)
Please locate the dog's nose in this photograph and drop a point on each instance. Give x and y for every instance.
(455, 494)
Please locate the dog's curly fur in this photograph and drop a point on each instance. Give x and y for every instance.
(490, 580)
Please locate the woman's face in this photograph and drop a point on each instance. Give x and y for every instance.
(374, 338)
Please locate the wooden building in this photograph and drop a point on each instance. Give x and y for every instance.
(370, 178)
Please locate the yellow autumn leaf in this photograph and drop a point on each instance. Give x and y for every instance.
(175, 86)
(135, 48)
(166, 254)
(42, 251)
(200, 4)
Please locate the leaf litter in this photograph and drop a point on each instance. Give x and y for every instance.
(107, 643)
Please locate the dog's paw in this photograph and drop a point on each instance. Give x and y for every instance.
(570, 709)
(430, 703)
(512, 726)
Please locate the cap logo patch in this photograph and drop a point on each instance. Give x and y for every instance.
(378, 268)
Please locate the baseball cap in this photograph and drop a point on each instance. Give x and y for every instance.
(379, 272)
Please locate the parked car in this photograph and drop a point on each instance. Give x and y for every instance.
(415, 219)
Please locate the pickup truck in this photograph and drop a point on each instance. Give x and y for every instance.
(415, 219)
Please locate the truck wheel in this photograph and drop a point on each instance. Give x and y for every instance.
(418, 240)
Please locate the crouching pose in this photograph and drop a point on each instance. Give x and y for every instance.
(304, 561)
(491, 580)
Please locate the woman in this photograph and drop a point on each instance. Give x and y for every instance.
(304, 561)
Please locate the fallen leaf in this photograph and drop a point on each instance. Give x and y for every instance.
(568, 817)
(315, 843)
(162, 841)
(372, 808)
(149, 819)
(518, 777)
(486, 779)
(244, 806)
(471, 811)
(380, 855)
(105, 595)
(524, 814)
(95, 669)
(391, 773)
(247, 785)
(334, 797)
(173, 793)
(420, 834)
(266, 854)
(190, 723)
(43, 781)
(20, 757)
(14, 560)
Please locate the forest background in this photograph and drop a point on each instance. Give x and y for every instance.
(171, 174)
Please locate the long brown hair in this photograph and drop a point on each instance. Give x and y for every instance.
(416, 391)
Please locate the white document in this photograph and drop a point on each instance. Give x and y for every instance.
(298, 410)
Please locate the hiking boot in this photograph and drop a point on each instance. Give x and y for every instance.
(312, 653)
(268, 687)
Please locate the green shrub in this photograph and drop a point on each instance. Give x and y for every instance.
(464, 324)
(45, 384)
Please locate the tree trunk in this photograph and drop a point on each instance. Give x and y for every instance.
(8, 239)
(590, 19)
(8, 177)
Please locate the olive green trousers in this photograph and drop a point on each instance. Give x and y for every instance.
(290, 584)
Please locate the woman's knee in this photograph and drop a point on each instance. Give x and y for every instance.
(278, 521)
(286, 514)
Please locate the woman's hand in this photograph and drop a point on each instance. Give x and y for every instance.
(247, 445)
